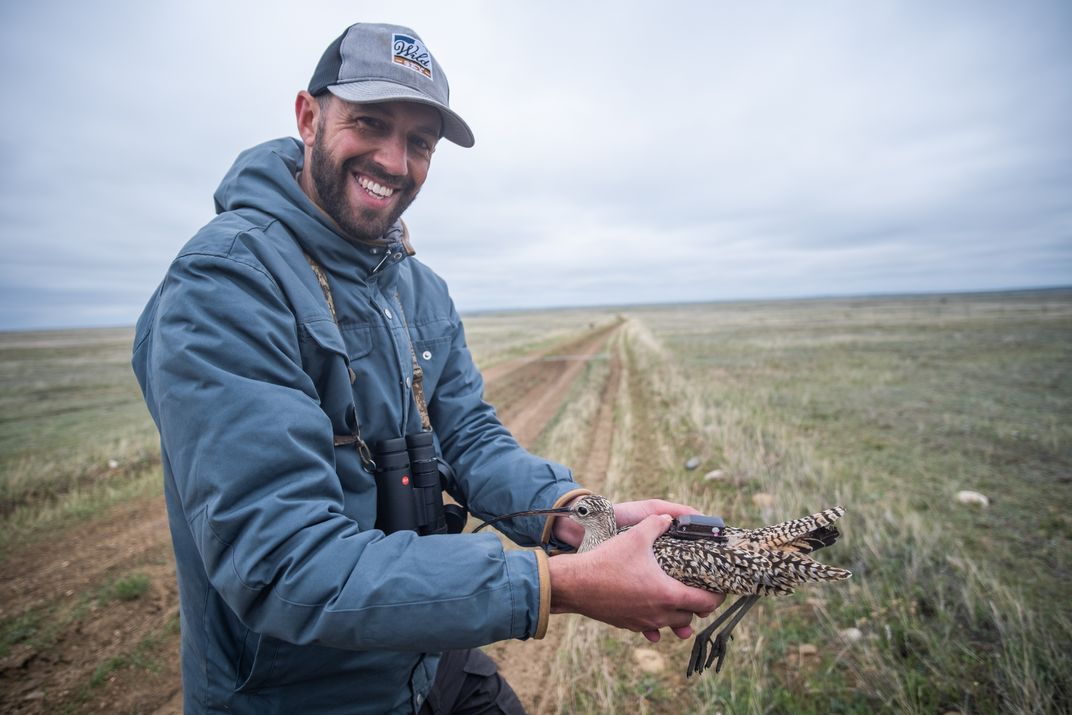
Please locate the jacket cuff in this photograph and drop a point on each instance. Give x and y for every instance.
(545, 595)
(566, 498)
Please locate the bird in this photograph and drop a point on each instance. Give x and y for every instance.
(750, 563)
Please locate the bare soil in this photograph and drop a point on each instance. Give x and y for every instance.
(79, 645)
(77, 629)
(526, 664)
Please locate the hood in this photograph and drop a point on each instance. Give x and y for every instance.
(263, 178)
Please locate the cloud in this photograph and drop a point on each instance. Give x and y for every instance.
(625, 153)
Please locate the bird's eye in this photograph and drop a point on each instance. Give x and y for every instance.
(582, 510)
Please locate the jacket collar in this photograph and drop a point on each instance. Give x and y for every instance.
(265, 178)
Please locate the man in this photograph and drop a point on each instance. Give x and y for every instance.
(292, 332)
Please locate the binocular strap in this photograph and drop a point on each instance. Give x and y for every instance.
(341, 440)
(418, 373)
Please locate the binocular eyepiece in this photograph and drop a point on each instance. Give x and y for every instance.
(410, 478)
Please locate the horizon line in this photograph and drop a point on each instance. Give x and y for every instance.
(653, 304)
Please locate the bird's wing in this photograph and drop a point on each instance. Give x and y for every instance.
(802, 535)
(790, 569)
(712, 566)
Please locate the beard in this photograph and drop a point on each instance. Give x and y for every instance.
(332, 180)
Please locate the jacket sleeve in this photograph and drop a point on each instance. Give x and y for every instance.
(251, 455)
(496, 475)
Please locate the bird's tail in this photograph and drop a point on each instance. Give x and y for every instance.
(802, 535)
(814, 540)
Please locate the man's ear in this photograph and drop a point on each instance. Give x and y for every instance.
(307, 114)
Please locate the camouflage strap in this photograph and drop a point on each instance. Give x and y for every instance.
(418, 373)
(341, 440)
(322, 279)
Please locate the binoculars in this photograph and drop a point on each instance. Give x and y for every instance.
(410, 478)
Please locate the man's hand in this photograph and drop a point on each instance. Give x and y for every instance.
(633, 512)
(626, 513)
(622, 584)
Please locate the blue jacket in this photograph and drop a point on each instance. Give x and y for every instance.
(291, 600)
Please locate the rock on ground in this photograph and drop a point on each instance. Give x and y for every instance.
(975, 498)
(851, 635)
(649, 660)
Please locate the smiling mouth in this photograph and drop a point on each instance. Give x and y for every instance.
(374, 189)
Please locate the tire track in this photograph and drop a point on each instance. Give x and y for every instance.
(526, 665)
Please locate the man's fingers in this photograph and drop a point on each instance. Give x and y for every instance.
(683, 633)
(652, 527)
(632, 512)
(699, 601)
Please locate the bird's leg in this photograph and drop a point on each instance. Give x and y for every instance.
(699, 644)
(718, 646)
(700, 659)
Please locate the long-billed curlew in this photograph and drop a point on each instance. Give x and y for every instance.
(770, 561)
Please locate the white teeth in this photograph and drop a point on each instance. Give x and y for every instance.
(375, 189)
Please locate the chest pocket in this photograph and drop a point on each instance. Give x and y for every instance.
(358, 340)
(326, 361)
(326, 358)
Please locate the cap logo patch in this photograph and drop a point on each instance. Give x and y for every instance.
(411, 52)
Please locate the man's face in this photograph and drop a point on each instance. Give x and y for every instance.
(368, 162)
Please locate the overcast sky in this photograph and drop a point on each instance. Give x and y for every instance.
(626, 152)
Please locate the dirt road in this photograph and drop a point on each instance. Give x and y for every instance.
(93, 611)
(526, 664)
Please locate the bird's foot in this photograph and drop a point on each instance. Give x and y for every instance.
(701, 659)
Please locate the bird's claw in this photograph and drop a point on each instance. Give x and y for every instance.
(718, 650)
(701, 659)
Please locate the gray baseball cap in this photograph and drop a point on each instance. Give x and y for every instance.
(372, 63)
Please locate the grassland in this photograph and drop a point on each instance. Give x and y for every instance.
(75, 435)
(888, 406)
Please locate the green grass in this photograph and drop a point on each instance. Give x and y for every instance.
(74, 425)
(889, 407)
(22, 628)
(63, 391)
(127, 588)
(143, 656)
(44, 623)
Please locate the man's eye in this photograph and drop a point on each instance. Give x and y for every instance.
(372, 123)
(422, 144)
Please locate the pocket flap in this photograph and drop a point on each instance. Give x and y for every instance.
(325, 334)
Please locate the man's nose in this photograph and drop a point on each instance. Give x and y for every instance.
(391, 155)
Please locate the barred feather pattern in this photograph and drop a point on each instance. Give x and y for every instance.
(769, 561)
(802, 535)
